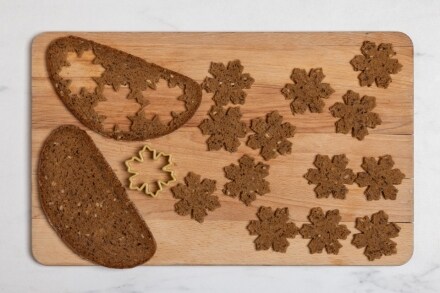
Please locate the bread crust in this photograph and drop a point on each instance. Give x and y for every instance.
(87, 205)
(120, 69)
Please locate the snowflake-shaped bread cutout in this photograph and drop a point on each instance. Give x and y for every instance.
(375, 235)
(324, 231)
(195, 197)
(247, 179)
(227, 83)
(376, 64)
(224, 128)
(273, 229)
(271, 135)
(355, 115)
(331, 176)
(380, 178)
(307, 91)
(138, 176)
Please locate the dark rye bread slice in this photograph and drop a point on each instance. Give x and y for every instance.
(120, 69)
(87, 205)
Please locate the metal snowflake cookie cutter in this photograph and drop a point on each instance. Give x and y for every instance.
(140, 159)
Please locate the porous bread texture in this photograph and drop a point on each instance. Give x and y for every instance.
(224, 128)
(271, 135)
(195, 197)
(324, 231)
(376, 64)
(330, 176)
(355, 115)
(87, 205)
(273, 228)
(120, 69)
(247, 179)
(375, 236)
(307, 91)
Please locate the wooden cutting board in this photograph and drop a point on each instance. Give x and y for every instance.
(269, 58)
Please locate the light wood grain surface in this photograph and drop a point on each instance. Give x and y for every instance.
(269, 58)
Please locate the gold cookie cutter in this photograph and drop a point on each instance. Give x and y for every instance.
(155, 155)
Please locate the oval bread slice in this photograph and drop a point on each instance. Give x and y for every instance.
(120, 69)
(87, 205)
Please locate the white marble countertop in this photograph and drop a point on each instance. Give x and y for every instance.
(21, 21)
